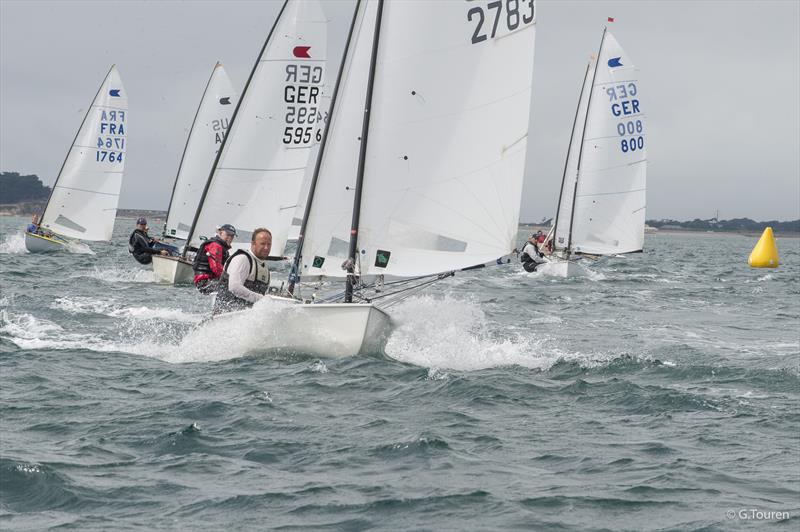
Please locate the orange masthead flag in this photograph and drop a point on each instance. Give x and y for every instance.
(765, 254)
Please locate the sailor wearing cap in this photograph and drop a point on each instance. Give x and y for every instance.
(140, 244)
(211, 257)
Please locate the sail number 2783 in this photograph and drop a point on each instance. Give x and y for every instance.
(486, 18)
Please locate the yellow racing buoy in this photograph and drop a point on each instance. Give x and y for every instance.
(765, 254)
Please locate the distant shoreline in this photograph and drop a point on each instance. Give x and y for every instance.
(695, 232)
(33, 207)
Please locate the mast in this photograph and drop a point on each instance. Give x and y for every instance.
(294, 275)
(191, 131)
(569, 149)
(230, 128)
(89, 110)
(583, 139)
(362, 159)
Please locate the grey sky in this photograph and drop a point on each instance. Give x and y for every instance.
(720, 84)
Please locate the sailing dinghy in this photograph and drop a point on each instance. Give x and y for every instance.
(601, 207)
(205, 138)
(419, 172)
(85, 195)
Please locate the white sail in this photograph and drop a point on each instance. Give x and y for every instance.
(564, 214)
(325, 242)
(258, 176)
(85, 196)
(299, 211)
(205, 138)
(610, 196)
(447, 141)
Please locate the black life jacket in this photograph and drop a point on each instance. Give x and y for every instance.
(257, 281)
(200, 264)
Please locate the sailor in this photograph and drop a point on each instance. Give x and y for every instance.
(531, 256)
(140, 244)
(246, 277)
(211, 257)
(33, 227)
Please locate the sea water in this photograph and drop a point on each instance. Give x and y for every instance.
(661, 391)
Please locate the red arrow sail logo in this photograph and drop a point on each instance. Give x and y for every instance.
(301, 51)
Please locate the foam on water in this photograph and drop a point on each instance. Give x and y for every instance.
(455, 334)
(245, 332)
(88, 305)
(550, 273)
(119, 275)
(13, 243)
(29, 332)
(79, 248)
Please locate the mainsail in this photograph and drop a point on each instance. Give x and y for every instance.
(441, 171)
(85, 196)
(602, 205)
(205, 138)
(257, 176)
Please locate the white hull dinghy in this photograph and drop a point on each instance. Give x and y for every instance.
(172, 270)
(44, 244)
(325, 330)
(437, 188)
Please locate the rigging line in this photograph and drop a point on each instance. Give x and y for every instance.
(362, 155)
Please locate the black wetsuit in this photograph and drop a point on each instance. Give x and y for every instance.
(141, 246)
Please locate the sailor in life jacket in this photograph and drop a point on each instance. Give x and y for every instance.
(531, 255)
(211, 258)
(245, 279)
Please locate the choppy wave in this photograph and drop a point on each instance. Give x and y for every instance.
(672, 392)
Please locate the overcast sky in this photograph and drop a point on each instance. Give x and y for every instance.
(719, 85)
